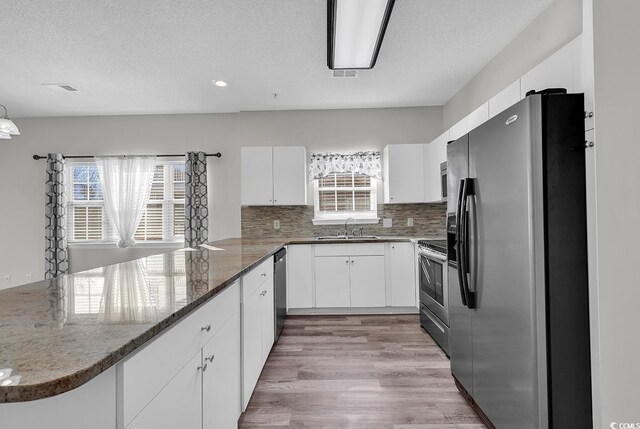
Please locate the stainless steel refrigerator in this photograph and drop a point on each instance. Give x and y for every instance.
(519, 339)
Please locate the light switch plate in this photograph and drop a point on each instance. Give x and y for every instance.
(276, 224)
(409, 221)
(387, 223)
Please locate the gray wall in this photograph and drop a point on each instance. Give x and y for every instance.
(22, 214)
(554, 28)
(617, 62)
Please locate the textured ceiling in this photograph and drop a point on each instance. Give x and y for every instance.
(159, 56)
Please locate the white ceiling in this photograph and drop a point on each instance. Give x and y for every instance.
(159, 56)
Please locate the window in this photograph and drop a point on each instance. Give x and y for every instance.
(162, 221)
(339, 196)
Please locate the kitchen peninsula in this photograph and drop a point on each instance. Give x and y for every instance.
(95, 344)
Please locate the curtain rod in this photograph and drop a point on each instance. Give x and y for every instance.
(39, 157)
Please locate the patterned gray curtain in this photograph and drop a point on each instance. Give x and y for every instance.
(56, 252)
(196, 223)
(196, 212)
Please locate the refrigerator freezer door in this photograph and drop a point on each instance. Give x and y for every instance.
(460, 346)
(460, 334)
(504, 334)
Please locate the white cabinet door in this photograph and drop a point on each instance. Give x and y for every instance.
(368, 287)
(267, 319)
(459, 129)
(554, 72)
(505, 99)
(478, 117)
(404, 168)
(402, 276)
(332, 281)
(256, 176)
(221, 380)
(289, 176)
(300, 276)
(251, 344)
(178, 405)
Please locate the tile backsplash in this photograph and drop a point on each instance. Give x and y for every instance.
(429, 220)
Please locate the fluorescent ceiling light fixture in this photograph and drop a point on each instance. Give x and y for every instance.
(7, 127)
(355, 29)
(220, 83)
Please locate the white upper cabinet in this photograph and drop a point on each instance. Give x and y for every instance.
(403, 170)
(435, 153)
(257, 176)
(505, 99)
(554, 72)
(478, 117)
(459, 129)
(289, 176)
(273, 176)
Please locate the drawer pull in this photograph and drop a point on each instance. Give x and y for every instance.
(202, 367)
(206, 328)
(210, 358)
(263, 293)
(264, 274)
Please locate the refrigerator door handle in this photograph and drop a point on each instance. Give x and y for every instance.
(468, 191)
(459, 250)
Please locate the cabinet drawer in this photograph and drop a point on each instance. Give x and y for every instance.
(256, 277)
(142, 376)
(364, 249)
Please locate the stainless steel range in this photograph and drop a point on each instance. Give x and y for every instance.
(434, 293)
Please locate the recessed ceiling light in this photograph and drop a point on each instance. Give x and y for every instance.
(220, 83)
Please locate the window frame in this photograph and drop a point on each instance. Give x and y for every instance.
(339, 217)
(109, 237)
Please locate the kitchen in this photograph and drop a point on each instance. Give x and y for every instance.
(52, 125)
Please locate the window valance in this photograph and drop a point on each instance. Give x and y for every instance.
(367, 163)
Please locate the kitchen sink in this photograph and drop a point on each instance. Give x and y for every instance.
(344, 237)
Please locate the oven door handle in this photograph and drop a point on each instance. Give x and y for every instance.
(458, 246)
(432, 256)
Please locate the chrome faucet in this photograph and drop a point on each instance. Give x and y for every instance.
(346, 233)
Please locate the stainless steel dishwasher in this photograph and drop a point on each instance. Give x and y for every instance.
(280, 295)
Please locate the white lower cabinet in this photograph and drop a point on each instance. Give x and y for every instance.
(198, 364)
(332, 281)
(258, 325)
(402, 278)
(368, 288)
(179, 404)
(221, 405)
(300, 273)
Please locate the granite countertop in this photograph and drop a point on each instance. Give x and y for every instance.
(58, 334)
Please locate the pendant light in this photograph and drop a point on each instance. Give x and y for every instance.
(7, 127)
(355, 29)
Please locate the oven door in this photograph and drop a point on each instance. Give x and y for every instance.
(434, 292)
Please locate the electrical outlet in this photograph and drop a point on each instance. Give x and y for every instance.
(276, 224)
(7, 278)
(409, 221)
(387, 223)
(29, 279)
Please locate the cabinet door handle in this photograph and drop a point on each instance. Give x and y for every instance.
(202, 368)
(210, 358)
(263, 293)
(206, 328)
(347, 261)
(352, 261)
(264, 274)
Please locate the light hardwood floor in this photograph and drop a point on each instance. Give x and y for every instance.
(360, 372)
